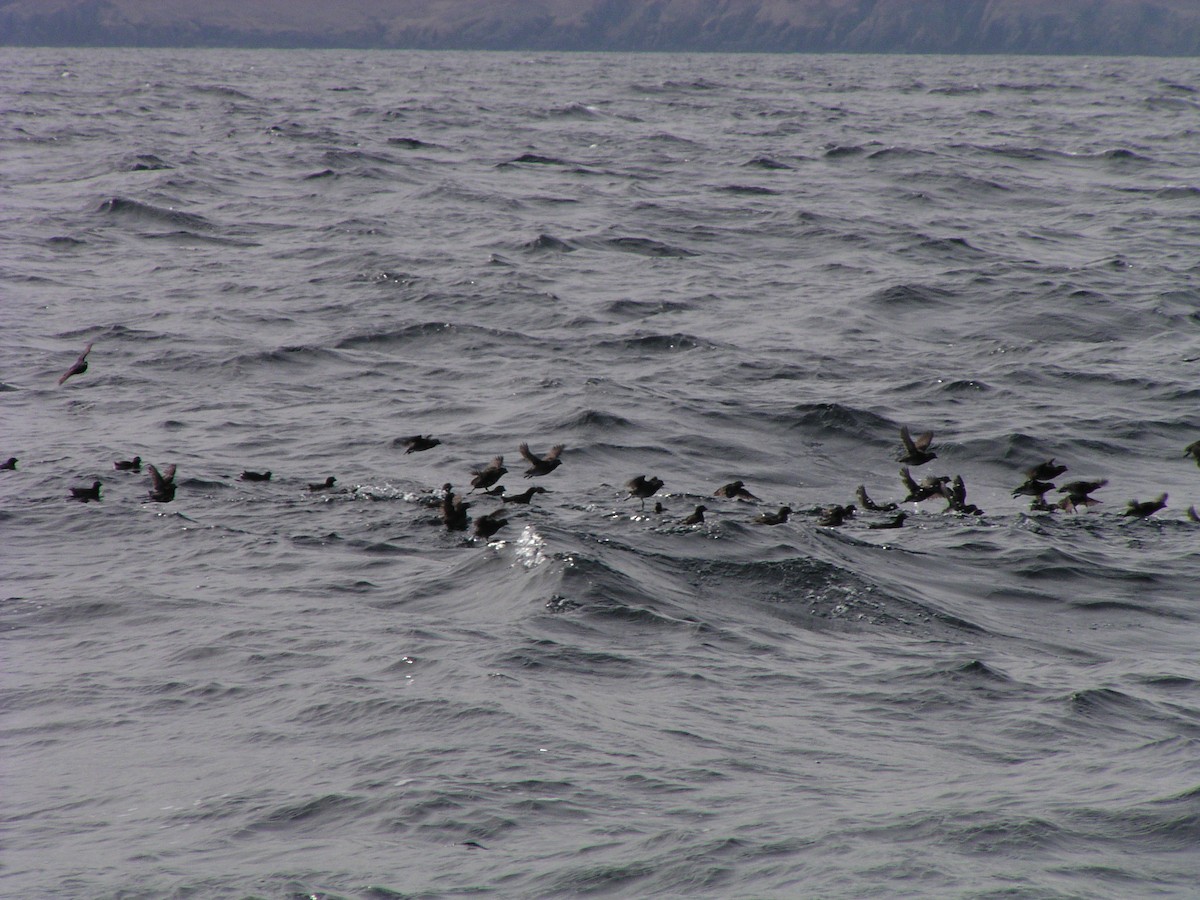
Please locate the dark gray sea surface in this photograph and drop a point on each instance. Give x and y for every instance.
(700, 268)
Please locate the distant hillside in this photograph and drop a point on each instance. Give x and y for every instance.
(1154, 27)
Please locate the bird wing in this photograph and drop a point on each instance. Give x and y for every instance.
(555, 451)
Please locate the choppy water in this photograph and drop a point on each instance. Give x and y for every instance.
(696, 267)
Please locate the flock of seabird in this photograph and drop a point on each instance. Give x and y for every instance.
(914, 452)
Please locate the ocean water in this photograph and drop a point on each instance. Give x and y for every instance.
(700, 268)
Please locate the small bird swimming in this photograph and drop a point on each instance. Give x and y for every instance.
(1146, 507)
(526, 496)
(956, 498)
(247, 475)
(487, 525)
(867, 503)
(1078, 493)
(835, 516)
(454, 510)
(489, 474)
(79, 366)
(916, 450)
(9, 465)
(777, 518)
(1044, 471)
(418, 443)
(162, 484)
(643, 487)
(735, 490)
(84, 494)
(324, 485)
(696, 518)
(896, 521)
(1193, 449)
(542, 465)
(128, 465)
(930, 486)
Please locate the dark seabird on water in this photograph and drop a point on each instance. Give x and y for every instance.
(659, 509)
(1077, 493)
(542, 465)
(867, 503)
(324, 485)
(526, 496)
(1033, 488)
(916, 450)
(735, 490)
(1193, 449)
(930, 486)
(896, 521)
(643, 487)
(489, 474)
(418, 443)
(79, 366)
(696, 518)
(1146, 507)
(486, 526)
(835, 516)
(162, 484)
(454, 510)
(956, 498)
(84, 494)
(777, 518)
(9, 465)
(247, 475)
(1192, 515)
(496, 491)
(1044, 471)
(128, 465)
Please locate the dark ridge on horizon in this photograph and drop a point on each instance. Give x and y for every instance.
(1069, 27)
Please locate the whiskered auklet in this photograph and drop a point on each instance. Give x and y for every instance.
(1033, 488)
(930, 486)
(1044, 471)
(324, 485)
(9, 465)
(697, 517)
(489, 474)
(487, 525)
(1193, 449)
(867, 503)
(247, 475)
(542, 465)
(835, 516)
(897, 521)
(735, 490)
(916, 450)
(1146, 507)
(525, 496)
(418, 443)
(776, 518)
(454, 510)
(956, 498)
(79, 366)
(643, 487)
(128, 465)
(1078, 493)
(84, 494)
(162, 484)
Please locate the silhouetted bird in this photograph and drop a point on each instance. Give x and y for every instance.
(1193, 449)
(526, 496)
(696, 517)
(486, 526)
(867, 503)
(1033, 488)
(835, 516)
(496, 491)
(542, 465)
(79, 366)
(956, 498)
(1044, 471)
(1191, 514)
(324, 485)
(929, 487)
(454, 510)
(418, 443)
(1146, 507)
(1077, 493)
(489, 474)
(247, 475)
(777, 518)
(162, 484)
(9, 464)
(128, 465)
(734, 491)
(643, 487)
(916, 451)
(84, 494)
(659, 509)
(896, 522)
